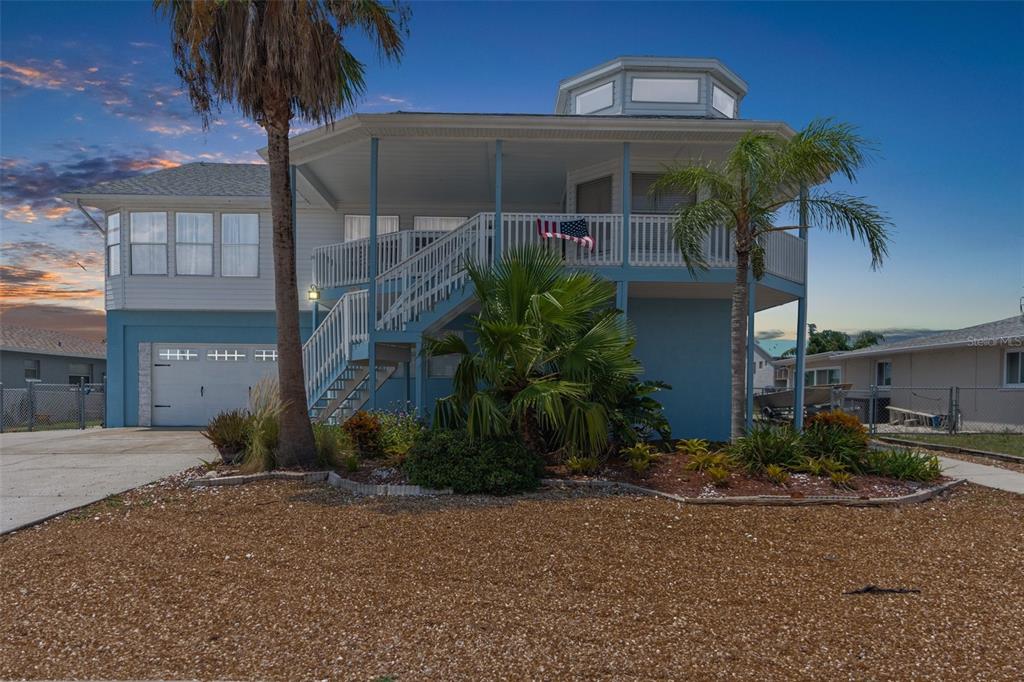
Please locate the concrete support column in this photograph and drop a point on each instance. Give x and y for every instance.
(627, 200)
(622, 296)
(371, 307)
(498, 232)
(421, 382)
(801, 327)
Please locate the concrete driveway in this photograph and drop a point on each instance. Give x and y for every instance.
(48, 472)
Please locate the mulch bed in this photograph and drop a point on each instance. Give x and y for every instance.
(282, 580)
(670, 475)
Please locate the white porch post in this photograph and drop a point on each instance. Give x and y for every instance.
(498, 231)
(371, 293)
(627, 197)
(801, 327)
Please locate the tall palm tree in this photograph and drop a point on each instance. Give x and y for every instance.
(553, 360)
(759, 178)
(277, 61)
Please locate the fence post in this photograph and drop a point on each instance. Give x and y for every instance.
(2, 413)
(31, 404)
(872, 409)
(81, 402)
(955, 412)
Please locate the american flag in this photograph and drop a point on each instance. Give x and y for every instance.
(573, 230)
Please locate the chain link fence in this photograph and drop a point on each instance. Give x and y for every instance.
(40, 407)
(935, 409)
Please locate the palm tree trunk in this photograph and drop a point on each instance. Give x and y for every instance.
(296, 446)
(738, 346)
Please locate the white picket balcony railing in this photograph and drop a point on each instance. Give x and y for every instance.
(345, 263)
(328, 349)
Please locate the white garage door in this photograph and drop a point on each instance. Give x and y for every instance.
(193, 382)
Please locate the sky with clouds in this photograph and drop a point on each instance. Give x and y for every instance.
(88, 93)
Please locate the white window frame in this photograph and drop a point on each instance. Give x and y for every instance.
(594, 92)
(1020, 368)
(114, 244)
(437, 223)
(812, 371)
(683, 96)
(134, 243)
(36, 369)
(878, 366)
(224, 247)
(179, 242)
(718, 104)
(358, 224)
(177, 354)
(265, 355)
(225, 355)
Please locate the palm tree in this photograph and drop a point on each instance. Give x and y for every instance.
(762, 175)
(553, 360)
(277, 61)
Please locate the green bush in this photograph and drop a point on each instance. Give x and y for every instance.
(265, 409)
(837, 442)
(364, 429)
(581, 464)
(227, 431)
(764, 445)
(640, 457)
(776, 474)
(332, 445)
(903, 464)
(398, 431)
(451, 459)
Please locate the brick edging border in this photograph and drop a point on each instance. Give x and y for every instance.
(766, 500)
(937, 447)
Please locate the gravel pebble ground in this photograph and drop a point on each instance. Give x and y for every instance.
(279, 580)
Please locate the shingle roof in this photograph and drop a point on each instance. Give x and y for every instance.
(192, 179)
(47, 342)
(1012, 328)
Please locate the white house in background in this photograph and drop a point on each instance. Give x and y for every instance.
(389, 207)
(985, 362)
(764, 370)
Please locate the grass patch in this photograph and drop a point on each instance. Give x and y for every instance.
(1006, 443)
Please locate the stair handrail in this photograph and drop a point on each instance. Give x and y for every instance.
(404, 288)
(329, 348)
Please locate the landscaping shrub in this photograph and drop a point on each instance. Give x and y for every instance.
(840, 419)
(332, 445)
(227, 432)
(445, 458)
(640, 457)
(903, 464)
(693, 446)
(579, 464)
(776, 474)
(719, 476)
(702, 461)
(764, 445)
(836, 441)
(398, 431)
(842, 480)
(364, 429)
(265, 409)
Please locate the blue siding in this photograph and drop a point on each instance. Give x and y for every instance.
(685, 342)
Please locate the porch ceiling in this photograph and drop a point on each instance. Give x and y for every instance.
(765, 296)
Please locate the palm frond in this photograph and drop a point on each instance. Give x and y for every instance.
(841, 212)
(691, 228)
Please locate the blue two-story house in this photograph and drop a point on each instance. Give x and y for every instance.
(389, 208)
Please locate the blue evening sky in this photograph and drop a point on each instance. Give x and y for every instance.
(89, 94)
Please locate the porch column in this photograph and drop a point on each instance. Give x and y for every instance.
(801, 327)
(498, 232)
(421, 381)
(371, 292)
(315, 309)
(751, 309)
(627, 196)
(622, 296)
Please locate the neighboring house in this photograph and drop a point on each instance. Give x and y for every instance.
(764, 371)
(49, 357)
(189, 286)
(985, 361)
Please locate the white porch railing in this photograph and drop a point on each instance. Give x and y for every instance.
(651, 244)
(784, 256)
(520, 229)
(345, 263)
(328, 349)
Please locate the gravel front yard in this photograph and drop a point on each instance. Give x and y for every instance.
(278, 580)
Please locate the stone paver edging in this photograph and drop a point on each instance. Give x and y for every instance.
(938, 447)
(304, 476)
(383, 489)
(765, 500)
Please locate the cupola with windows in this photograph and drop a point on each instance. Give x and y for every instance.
(653, 86)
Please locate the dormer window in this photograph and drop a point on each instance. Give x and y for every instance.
(675, 90)
(595, 99)
(723, 102)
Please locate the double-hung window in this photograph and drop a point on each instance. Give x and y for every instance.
(149, 243)
(358, 226)
(1015, 368)
(31, 369)
(239, 244)
(822, 377)
(114, 244)
(193, 243)
(883, 373)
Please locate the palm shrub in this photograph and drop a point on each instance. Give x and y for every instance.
(553, 362)
(760, 177)
(780, 445)
(227, 431)
(903, 464)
